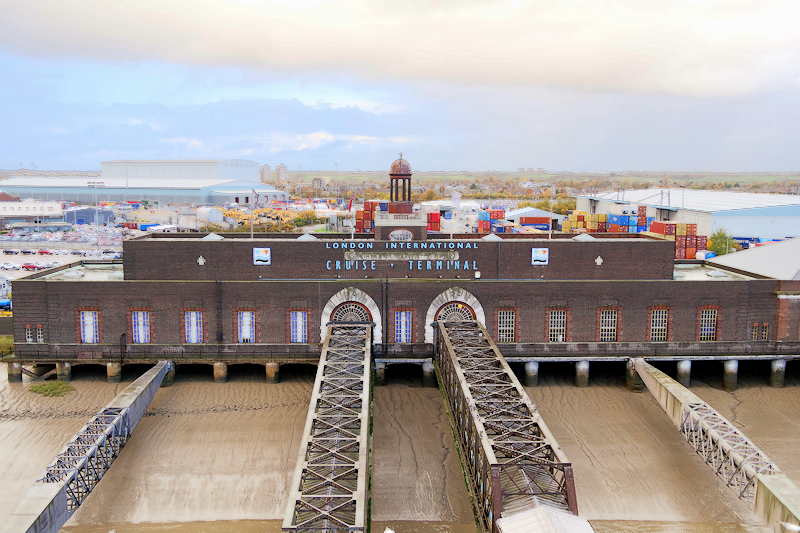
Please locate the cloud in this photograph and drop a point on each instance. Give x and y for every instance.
(685, 47)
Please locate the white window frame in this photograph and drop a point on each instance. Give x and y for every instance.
(247, 327)
(193, 327)
(39, 334)
(708, 324)
(28, 334)
(765, 332)
(90, 330)
(659, 325)
(298, 323)
(506, 325)
(140, 327)
(402, 326)
(557, 325)
(608, 325)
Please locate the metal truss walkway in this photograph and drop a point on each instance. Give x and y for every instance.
(329, 489)
(80, 466)
(512, 459)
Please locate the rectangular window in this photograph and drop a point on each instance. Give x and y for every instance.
(755, 332)
(765, 332)
(506, 326)
(708, 325)
(402, 326)
(299, 331)
(89, 327)
(140, 321)
(558, 326)
(194, 326)
(28, 334)
(39, 334)
(658, 325)
(608, 325)
(247, 326)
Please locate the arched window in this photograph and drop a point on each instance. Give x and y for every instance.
(455, 312)
(351, 312)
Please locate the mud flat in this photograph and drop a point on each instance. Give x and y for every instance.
(629, 461)
(416, 472)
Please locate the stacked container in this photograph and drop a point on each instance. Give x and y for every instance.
(434, 221)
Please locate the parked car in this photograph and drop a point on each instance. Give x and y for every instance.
(45, 252)
(9, 266)
(29, 266)
(53, 264)
(10, 251)
(28, 252)
(76, 252)
(60, 252)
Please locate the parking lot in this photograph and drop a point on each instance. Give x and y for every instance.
(62, 253)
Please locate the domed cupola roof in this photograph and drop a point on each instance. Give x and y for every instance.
(400, 167)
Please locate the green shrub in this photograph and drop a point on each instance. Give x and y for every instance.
(6, 345)
(52, 388)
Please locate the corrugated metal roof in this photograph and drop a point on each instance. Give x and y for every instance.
(778, 260)
(119, 183)
(532, 212)
(699, 200)
(544, 520)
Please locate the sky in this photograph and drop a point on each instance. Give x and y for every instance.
(578, 85)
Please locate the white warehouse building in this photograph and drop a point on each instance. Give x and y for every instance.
(744, 215)
(179, 170)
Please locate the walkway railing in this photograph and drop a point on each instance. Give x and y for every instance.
(329, 489)
(509, 452)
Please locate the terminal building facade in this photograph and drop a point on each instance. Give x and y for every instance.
(228, 299)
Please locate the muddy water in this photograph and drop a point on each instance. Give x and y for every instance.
(218, 458)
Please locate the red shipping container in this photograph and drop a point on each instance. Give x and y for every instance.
(680, 253)
(434, 217)
(359, 224)
(658, 227)
(691, 229)
(702, 242)
(691, 253)
(359, 215)
(534, 220)
(436, 226)
(680, 241)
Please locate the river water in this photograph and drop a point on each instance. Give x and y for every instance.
(219, 457)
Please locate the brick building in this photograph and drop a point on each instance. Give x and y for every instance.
(231, 300)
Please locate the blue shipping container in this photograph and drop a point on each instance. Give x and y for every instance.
(483, 215)
(640, 229)
(448, 215)
(615, 219)
(625, 220)
(384, 206)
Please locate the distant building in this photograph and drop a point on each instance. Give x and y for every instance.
(265, 173)
(88, 215)
(172, 170)
(29, 210)
(281, 173)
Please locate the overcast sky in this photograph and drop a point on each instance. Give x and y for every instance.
(700, 85)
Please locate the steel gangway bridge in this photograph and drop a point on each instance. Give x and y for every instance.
(513, 461)
(329, 490)
(79, 467)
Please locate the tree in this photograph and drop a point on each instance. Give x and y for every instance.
(721, 242)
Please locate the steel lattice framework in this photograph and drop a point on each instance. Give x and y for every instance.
(79, 467)
(87, 457)
(329, 488)
(511, 456)
(734, 458)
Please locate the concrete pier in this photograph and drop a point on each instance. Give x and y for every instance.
(64, 371)
(273, 372)
(531, 378)
(582, 374)
(14, 372)
(632, 378)
(730, 374)
(169, 377)
(114, 372)
(380, 374)
(777, 373)
(684, 373)
(220, 372)
(428, 374)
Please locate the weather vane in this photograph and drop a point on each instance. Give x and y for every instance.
(401, 155)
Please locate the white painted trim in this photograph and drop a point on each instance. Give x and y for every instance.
(789, 297)
(453, 294)
(351, 294)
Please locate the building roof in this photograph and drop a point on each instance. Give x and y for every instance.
(778, 260)
(532, 212)
(119, 183)
(697, 200)
(171, 161)
(400, 167)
